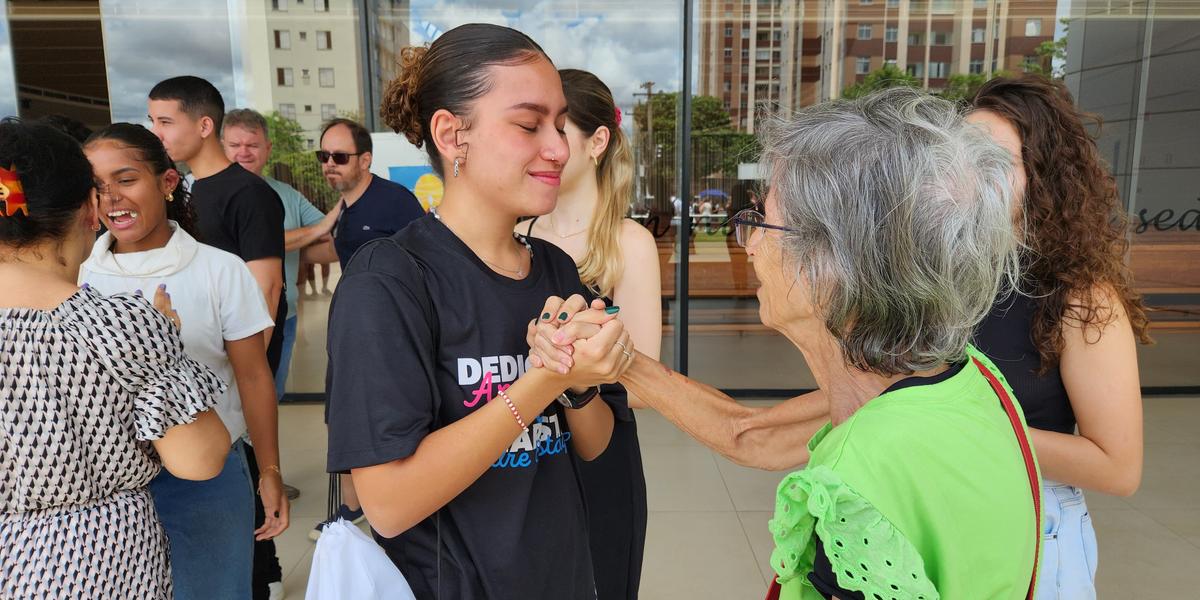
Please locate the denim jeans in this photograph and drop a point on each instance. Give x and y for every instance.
(1067, 570)
(285, 358)
(210, 525)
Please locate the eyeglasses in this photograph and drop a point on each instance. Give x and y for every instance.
(746, 221)
(339, 158)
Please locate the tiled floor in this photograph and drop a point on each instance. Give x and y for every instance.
(707, 535)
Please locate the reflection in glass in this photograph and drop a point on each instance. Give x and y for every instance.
(146, 41)
(8, 81)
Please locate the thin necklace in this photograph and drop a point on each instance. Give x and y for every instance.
(520, 273)
(554, 228)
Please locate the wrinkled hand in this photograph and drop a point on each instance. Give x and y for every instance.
(162, 302)
(275, 504)
(589, 346)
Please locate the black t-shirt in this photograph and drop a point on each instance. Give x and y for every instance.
(384, 208)
(238, 212)
(422, 333)
(1006, 337)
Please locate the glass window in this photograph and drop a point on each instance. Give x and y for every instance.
(745, 32)
(978, 35)
(976, 67)
(865, 2)
(941, 38)
(914, 39)
(938, 70)
(916, 69)
(283, 78)
(307, 108)
(762, 55)
(283, 39)
(328, 111)
(279, 4)
(303, 36)
(891, 34)
(324, 40)
(321, 5)
(893, 3)
(287, 110)
(980, 3)
(864, 31)
(729, 31)
(325, 77)
(862, 65)
(729, 53)
(1033, 27)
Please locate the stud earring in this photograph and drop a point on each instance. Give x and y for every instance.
(456, 161)
(170, 196)
(596, 160)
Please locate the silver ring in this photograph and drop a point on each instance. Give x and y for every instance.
(624, 348)
(627, 354)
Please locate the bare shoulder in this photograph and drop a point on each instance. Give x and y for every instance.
(636, 240)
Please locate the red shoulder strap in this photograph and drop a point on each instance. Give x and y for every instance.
(1030, 465)
(1030, 468)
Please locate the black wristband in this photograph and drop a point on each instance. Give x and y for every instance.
(572, 400)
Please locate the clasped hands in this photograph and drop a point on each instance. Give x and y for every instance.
(586, 345)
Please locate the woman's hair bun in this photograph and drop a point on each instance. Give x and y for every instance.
(399, 108)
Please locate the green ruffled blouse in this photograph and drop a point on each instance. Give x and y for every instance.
(921, 494)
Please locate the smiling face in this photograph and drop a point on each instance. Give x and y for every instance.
(516, 145)
(247, 147)
(132, 198)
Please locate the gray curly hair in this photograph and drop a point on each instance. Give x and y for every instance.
(901, 219)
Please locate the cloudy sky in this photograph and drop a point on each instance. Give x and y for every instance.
(624, 42)
(146, 41)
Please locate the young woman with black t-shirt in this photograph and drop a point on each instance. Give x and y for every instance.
(618, 261)
(464, 462)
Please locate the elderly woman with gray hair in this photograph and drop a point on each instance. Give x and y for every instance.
(885, 237)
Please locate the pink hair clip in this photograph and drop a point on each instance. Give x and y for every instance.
(618, 116)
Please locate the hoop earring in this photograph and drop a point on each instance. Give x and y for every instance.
(456, 161)
(170, 196)
(596, 160)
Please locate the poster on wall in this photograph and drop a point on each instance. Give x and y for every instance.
(397, 160)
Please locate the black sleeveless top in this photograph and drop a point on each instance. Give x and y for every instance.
(1005, 336)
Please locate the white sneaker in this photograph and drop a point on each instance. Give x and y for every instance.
(276, 588)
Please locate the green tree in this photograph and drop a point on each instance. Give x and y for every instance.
(707, 113)
(961, 87)
(293, 163)
(886, 76)
(1050, 52)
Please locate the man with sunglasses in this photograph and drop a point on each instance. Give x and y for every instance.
(372, 207)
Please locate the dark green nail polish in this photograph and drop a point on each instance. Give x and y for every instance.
(545, 316)
(612, 310)
(562, 317)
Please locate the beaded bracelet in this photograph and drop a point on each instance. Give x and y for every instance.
(513, 408)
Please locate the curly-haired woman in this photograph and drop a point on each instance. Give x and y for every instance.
(1067, 346)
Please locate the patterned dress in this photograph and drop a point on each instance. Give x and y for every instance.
(84, 388)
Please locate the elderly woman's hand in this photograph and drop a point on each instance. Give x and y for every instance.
(561, 323)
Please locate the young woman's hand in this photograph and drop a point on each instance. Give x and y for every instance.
(561, 323)
(602, 357)
(275, 505)
(162, 302)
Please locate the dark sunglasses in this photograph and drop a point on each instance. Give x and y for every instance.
(339, 158)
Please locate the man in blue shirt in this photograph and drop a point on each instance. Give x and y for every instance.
(372, 207)
(245, 137)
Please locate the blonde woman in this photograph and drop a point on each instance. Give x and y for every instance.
(589, 224)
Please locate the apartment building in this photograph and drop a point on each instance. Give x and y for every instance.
(313, 49)
(766, 55)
